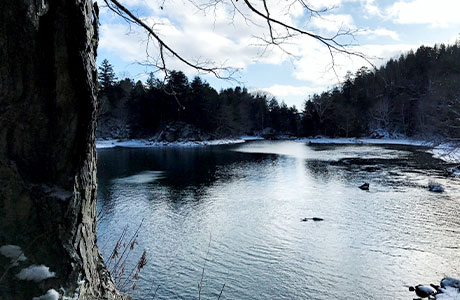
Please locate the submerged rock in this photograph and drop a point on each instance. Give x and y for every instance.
(435, 188)
(364, 186)
(452, 172)
(316, 219)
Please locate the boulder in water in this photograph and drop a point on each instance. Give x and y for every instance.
(364, 186)
(435, 188)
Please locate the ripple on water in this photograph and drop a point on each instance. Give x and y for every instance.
(236, 213)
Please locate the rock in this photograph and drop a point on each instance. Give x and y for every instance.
(450, 282)
(364, 186)
(452, 172)
(423, 291)
(315, 219)
(435, 188)
(449, 289)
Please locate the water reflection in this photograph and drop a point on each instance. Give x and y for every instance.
(248, 199)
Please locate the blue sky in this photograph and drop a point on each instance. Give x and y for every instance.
(382, 29)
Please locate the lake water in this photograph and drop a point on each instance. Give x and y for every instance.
(235, 212)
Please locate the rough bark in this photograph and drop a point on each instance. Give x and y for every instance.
(47, 148)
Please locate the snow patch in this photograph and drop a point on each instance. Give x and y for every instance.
(449, 293)
(14, 253)
(153, 144)
(454, 172)
(76, 293)
(35, 273)
(50, 295)
(251, 138)
(364, 141)
(449, 152)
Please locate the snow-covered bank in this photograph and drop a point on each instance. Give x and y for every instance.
(365, 141)
(448, 152)
(139, 143)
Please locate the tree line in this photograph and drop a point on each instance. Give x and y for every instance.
(416, 94)
(136, 109)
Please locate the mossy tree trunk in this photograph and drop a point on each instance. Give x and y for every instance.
(47, 148)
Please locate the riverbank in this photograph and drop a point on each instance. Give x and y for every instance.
(141, 143)
(146, 143)
(365, 141)
(448, 152)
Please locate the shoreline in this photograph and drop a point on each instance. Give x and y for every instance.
(448, 152)
(145, 143)
(366, 141)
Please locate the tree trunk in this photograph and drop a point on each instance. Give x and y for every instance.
(47, 151)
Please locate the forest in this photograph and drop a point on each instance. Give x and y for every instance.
(415, 95)
(138, 110)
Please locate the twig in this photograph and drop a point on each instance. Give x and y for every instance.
(221, 291)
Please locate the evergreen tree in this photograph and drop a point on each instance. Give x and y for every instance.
(106, 75)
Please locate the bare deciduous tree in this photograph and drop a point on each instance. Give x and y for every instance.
(278, 32)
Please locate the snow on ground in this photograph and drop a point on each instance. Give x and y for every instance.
(251, 137)
(13, 252)
(366, 141)
(138, 143)
(445, 151)
(448, 152)
(35, 273)
(450, 293)
(50, 295)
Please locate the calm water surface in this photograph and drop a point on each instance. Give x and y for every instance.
(235, 210)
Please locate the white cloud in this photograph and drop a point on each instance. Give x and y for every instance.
(385, 32)
(292, 95)
(215, 35)
(118, 38)
(333, 22)
(324, 4)
(221, 37)
(317, 67)
(380, 32)
(371, 9)
(283, 91)
(440, 13)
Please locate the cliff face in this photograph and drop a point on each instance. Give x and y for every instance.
(47, 151)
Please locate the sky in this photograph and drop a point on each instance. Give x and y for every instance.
(226, 33)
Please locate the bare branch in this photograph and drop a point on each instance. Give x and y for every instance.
(332, 43)
(279, 33)
(221, 291)
(128, 16)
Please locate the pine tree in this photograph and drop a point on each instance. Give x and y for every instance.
(107, 76)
